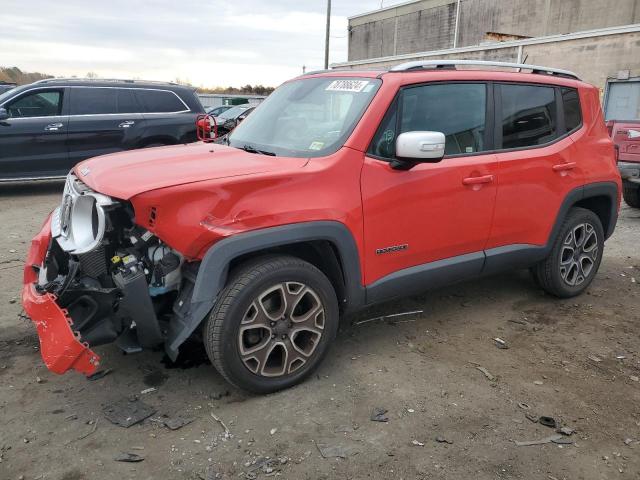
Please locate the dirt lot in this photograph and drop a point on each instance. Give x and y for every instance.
(576, 360)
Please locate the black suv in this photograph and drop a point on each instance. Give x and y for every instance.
(6, 86)
(49, 126)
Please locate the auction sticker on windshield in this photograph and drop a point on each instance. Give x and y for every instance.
(347, 85)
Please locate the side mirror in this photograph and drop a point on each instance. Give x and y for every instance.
(418, 147)
(3, 114)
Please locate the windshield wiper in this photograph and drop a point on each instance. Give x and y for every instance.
(250, 149)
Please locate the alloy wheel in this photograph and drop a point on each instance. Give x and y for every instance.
(281, 329)
(579, 254)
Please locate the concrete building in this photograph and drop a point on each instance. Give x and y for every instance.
(597, 39)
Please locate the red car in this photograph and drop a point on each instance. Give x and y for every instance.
(626, 136)
(343, 189)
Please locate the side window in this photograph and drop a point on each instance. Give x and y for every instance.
(126, 102)
(159, 101)
(37, 104)
(93, 101)
(572, 112)
(458, 110)
(528, 116)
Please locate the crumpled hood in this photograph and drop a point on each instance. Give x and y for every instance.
(126, 174)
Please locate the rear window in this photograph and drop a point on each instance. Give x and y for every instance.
(528, 116)
(102, 100)
(572, 113)
(160, 101)
(126, 101)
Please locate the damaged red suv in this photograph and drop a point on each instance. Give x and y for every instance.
(343, 189)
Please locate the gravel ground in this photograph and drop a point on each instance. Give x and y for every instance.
(576, 360)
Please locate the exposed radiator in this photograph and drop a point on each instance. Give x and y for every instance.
(93, 264)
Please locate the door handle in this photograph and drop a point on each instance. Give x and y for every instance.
(562, 167)
(477, 180)
(127, 124)
(53, 127)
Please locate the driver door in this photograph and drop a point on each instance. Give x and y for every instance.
(429, 225)
(33, 138)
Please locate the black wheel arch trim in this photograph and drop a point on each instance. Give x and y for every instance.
(590, 190)
(214, 268)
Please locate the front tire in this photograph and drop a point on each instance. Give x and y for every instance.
(631, 194)
(272, 324)
(575, 255)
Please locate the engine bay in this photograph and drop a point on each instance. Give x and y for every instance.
(123, 289)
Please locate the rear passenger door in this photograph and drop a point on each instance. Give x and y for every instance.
(102, 120)
(538, 164)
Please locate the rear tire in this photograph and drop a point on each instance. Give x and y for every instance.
(575, 255)
(631, 194)
(272, 324)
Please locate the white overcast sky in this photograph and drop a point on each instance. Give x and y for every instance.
(206, 42)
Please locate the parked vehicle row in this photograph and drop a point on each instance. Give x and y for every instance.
(229, 119)
(342, 190)
(215, 111)
(49, 126)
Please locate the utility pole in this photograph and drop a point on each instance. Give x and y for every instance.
(326, 38)
(455, 31)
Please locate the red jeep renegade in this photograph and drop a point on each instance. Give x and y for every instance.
(341, 190)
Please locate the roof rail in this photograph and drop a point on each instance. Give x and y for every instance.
(317, 72)
(442, 64)
(106, 80)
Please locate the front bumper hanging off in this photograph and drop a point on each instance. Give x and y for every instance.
(60, 346)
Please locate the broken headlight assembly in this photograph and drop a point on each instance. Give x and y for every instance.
(79, 223)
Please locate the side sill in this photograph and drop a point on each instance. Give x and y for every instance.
(425, 277)
(510, 257)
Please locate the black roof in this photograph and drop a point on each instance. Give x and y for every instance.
(112, 82)
(186, 93)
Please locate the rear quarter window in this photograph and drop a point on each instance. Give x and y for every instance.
(572, 111)
(159, 101)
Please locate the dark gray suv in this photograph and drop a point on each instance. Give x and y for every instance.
(49, 126)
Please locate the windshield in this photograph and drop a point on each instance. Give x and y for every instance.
(6, 94)
(233, 112)
(306, 118)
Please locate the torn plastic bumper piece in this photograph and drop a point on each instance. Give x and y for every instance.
(60, 347)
